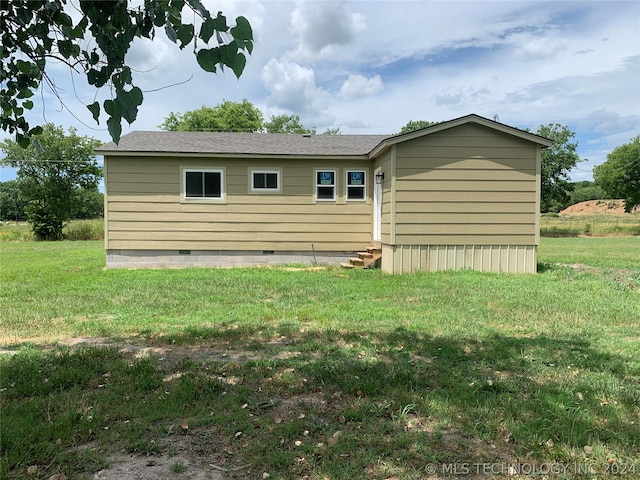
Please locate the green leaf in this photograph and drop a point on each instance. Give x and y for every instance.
(208, 59)
(228, 54)
(79, 29)
(28, 104)
(238, 66)
(207, 29)
(66, 48)
(184, 34)
(242, 31)
(125, 75)
(221, 23)
(94, 108)
(112, 108)
(129, 102)
(197, 5)
(171, 33)
(130, 99)
(115, 129)
(22, 140)
(25, 93)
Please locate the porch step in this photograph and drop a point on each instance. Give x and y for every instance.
(368, 259)
(357, 262)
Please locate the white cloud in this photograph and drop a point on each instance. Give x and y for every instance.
(536, 47)
(575, 63)
(359, 86)
(293, 87)
(320, 27)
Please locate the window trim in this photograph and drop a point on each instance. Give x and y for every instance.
(223, 193)
(254, 189)
(316, 185)
(364, 185)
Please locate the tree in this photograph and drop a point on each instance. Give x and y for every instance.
(584, 191)
(413, 125)
(557, 161)
(619, 176)
(332, 131)
(12, 205)
(35, 32)
(53, 170)
(90, 205)
(286, 124)
(225, 117)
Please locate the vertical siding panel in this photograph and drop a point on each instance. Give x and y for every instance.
(488, 258)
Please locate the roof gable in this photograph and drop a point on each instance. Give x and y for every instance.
(472, 118)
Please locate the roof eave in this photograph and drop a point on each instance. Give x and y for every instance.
(137, 153)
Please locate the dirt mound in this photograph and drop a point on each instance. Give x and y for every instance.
(612, 207)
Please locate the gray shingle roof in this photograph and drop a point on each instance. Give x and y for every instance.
(264, 144)
(244, 143)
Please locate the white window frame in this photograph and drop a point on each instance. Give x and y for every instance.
(316, 184)
(255, 189)
(364, 185)
(221, 198)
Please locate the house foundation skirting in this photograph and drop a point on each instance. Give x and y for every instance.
(485, 258)
(217, 258)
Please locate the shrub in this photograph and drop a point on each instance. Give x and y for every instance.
(84, 230)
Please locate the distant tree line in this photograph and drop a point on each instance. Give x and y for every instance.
(231, 116)
(13, 206)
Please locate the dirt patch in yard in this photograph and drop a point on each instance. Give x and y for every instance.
(611, 207)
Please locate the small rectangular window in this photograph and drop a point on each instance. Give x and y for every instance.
(326, 185)
(356, 185)
(265, 180)
(203, 184)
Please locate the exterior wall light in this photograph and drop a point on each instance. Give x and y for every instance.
(379, 177)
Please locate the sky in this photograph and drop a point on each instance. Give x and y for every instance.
(369, 67)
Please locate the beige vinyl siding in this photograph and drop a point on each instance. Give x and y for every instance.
(146, 209)
(469, 185)
(487, 258)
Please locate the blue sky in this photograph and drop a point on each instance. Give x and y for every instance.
(372, 66)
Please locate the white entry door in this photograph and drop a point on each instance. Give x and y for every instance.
(377, 207)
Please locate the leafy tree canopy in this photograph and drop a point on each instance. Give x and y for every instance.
(12, 205)
(332, 131)
(619, 176)
(416, 125)
(557, 161)
(35, 32)
(225, 117)
(236, 117)
(53, 170)
(286, 124)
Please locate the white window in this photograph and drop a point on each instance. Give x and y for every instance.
(203, 184)
(265, 180)
(325, 185)
(356, 185)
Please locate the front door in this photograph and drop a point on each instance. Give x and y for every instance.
(377, 207)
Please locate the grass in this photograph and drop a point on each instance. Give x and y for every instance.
(74, 230)
(337, 374)
(589, 225)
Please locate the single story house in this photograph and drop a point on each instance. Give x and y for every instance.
(460, 194)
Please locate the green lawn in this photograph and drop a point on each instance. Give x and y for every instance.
(343, 374)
